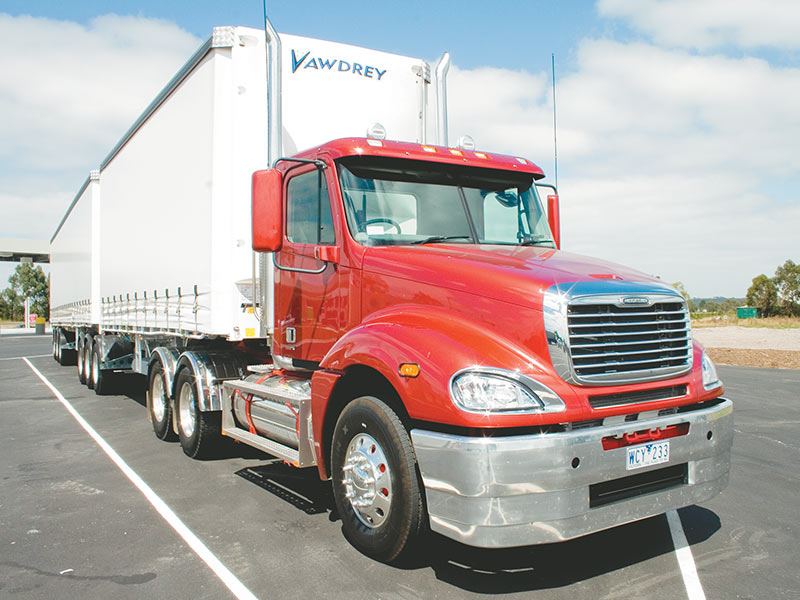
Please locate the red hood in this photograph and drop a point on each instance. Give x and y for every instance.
(515, 274)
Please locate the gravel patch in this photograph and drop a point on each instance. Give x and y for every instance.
(751, 346)
(748, 338)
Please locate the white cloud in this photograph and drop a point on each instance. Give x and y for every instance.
(707, 24)
(68, 92)
(681, 165)
(664, 156)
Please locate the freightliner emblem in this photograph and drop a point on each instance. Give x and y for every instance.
(636, 301)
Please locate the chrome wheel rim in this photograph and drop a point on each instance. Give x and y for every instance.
(158, 400)
(186, 404)
(367, 480)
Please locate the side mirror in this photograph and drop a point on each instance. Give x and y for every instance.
(267, 210)
(554, 218)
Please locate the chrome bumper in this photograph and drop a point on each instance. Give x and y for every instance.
(520, 490)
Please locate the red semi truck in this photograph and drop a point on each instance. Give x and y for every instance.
(411, 329)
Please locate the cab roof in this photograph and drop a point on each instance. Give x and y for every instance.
(414, 151)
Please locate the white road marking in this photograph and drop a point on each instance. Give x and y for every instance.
(24, 357)
(229, 579)
(694, 590)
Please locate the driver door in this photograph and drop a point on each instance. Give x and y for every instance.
(311, 295)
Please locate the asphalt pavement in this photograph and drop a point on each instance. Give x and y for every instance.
(73, 525)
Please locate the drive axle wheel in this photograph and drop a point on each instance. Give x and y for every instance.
(199, 431)
(160, 406)
(375, 481)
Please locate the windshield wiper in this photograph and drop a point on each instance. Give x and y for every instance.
(530, 241)
(435, 239)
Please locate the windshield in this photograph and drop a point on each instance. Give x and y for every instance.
(390, 201)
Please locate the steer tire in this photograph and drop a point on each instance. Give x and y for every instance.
(372, 454)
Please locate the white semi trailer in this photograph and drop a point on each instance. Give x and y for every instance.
(155, 250)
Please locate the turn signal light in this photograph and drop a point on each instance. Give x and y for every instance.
(409, 370)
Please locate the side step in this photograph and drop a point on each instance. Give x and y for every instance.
(277, 400)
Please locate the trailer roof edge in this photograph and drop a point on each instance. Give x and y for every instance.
(222, 37)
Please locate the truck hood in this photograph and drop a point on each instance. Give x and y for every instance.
(516, 274)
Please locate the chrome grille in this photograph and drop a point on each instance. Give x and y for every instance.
(612, 343)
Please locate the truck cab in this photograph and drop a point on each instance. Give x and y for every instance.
(539, 395)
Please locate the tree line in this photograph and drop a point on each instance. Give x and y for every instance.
(778, 295)
(30, 282)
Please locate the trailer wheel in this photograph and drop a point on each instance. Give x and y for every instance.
(88, 343)
(199, 431)
(80, 342)
(101, 379)
(55, 344)
(375, 482)
(160, 407)
(63, 356)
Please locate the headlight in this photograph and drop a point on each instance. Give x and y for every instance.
(499, 390)
(710, 378)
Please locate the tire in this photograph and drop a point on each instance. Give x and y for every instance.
(373, 462)
(159, 406)
(80, 342)
(55, 344)
(57, 347)
(199, 432)
(101, 380)
(88, 342)
(63, 356)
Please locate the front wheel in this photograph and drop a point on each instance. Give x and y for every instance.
(375, 482)
(199, 432)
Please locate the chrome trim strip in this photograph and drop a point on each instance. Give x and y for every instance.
(295, 269)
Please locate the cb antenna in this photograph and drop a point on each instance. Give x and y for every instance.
(555, 136)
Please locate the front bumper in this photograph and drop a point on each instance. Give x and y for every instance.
(519, 490)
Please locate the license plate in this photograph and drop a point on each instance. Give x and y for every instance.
(647, 455)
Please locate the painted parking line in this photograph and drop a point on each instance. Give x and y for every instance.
(230, 581)
(694, 590)
(24, 357)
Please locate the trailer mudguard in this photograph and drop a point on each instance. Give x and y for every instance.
(442, 344)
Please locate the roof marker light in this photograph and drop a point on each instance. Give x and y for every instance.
(375, 143)
(429, 149)
(481, 155)
(456, 152)
(376, 131)
(522, 161)
(465, 142)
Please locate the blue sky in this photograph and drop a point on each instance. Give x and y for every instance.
(678, 125)
(515, 34)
